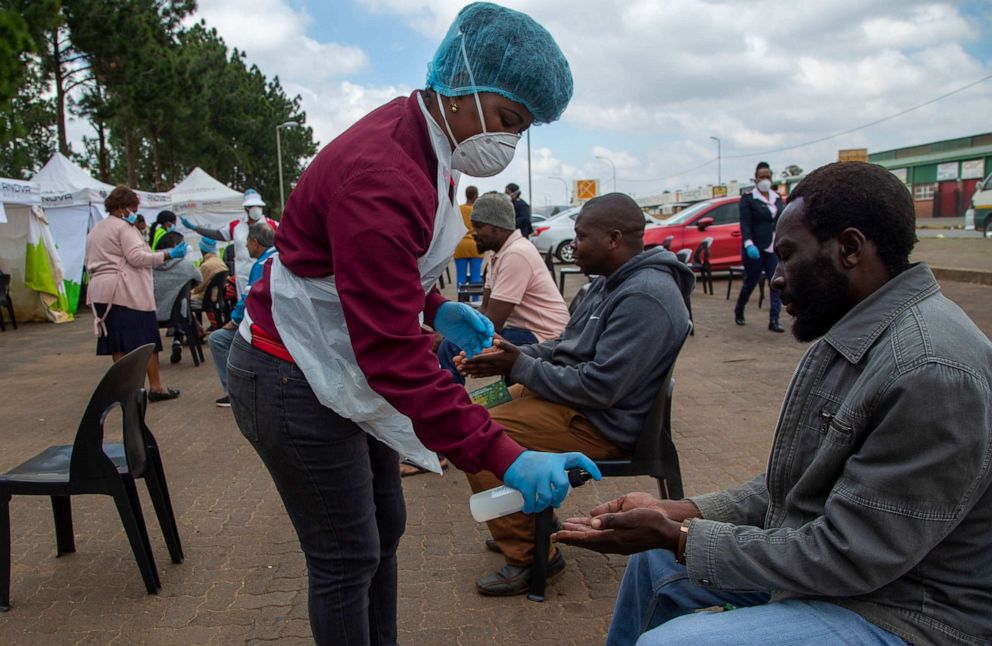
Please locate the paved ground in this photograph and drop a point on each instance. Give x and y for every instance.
(960, 253)
(244, 579)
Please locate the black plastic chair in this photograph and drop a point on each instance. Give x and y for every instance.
(654, 455)
(215, 300)
(738, 270)
(701, 265)
(90, 467)
(667, 242)
(683, 255)
(446, 274)
(6, 302)
(182, 321)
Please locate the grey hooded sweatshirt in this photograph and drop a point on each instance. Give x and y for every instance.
(618, 344)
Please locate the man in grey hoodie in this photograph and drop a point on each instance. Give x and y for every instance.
(169, 280)
(591, 389)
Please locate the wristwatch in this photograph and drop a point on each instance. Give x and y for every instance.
(683, 539)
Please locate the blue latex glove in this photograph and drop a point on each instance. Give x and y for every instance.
(179, 251)
(186, 223)
(465, 327)
(542, 479)
(752, 252)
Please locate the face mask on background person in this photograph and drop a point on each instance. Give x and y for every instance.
(487, 153)
(255, 212)
(132, 217)
(765, 185)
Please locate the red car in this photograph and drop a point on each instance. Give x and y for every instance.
(717, 218)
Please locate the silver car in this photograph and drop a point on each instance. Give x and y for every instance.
(556, 234)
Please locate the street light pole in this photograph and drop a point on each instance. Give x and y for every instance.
(719, 175)
(614, 167)
(562, 180)
(282, 194)
(530, 183)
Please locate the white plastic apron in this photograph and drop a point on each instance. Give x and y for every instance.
(242, 259)
(310, 320)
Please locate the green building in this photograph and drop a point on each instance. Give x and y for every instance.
(942, 175)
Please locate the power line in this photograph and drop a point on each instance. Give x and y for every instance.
(862, 127)
(821, 139)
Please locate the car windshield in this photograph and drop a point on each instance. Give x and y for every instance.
(564, 215)
(686, 214)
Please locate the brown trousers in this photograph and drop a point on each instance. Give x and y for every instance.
(540, 425)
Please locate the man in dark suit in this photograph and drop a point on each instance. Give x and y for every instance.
(759, 212)
(521, 210)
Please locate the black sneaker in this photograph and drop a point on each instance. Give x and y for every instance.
(177, 353)
(224, 402)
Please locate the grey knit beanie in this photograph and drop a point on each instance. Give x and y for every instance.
(495, 209)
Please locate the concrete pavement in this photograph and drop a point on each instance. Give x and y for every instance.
(244, 580)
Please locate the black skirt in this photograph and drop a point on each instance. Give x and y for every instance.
(127, 330)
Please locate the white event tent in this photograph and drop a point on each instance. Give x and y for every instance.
(73, 201)
(28, 254)
(206, 201)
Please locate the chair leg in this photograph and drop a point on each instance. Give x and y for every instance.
(542, 542)
(65, 542)
(3, 328)
(10, 310)
(136, 535)
(730, 283)
(158, 491)
(4, 552)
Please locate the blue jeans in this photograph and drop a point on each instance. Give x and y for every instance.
(752, 275)
(220, 346)
(657, 604)
(448, 350)
(341, 489)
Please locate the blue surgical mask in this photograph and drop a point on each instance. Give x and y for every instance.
(132, 217)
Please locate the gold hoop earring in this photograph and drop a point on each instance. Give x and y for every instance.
(454, 108)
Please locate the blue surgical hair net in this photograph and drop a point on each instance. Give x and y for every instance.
(509, 54)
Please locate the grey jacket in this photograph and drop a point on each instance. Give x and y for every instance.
(617, 346)
(169, 279)
(877, 493)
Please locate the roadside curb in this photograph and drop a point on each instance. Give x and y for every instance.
(958, 275)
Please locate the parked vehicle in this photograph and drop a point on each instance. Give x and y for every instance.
(546, 212)
(718, 218)
(556, 233)
(979, 215)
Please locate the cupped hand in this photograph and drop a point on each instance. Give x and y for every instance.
(625, 532)
(496, 362)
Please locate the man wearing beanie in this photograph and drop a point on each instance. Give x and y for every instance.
(519, 296)
(210, 266)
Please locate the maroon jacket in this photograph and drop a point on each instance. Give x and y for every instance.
(363, 211)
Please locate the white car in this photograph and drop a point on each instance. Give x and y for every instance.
(556, 234)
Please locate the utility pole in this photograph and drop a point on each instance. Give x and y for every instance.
(719, 175)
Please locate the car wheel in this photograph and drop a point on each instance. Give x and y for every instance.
(564, 251)
(988, 227)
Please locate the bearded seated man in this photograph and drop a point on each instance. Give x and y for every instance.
(591, 389)
(873, 522)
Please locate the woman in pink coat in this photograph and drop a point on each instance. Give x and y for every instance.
(120, 288)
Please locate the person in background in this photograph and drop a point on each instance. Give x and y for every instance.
(521, 209)
(759, 211)
(237, 231)
(165, 222)
(210, 265)
(871, 524)
(142, 227)
(120, 291)
(591, 389)
(520, 296)
(169, 280)
(260, 238)
(331, 376)
(468, 258)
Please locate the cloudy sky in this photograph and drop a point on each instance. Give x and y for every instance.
(655, 79)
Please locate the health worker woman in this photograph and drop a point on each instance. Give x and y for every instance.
(331, 377)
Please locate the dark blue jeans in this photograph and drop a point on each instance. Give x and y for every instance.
(448, 350)
(752, 274)
(341, 489)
